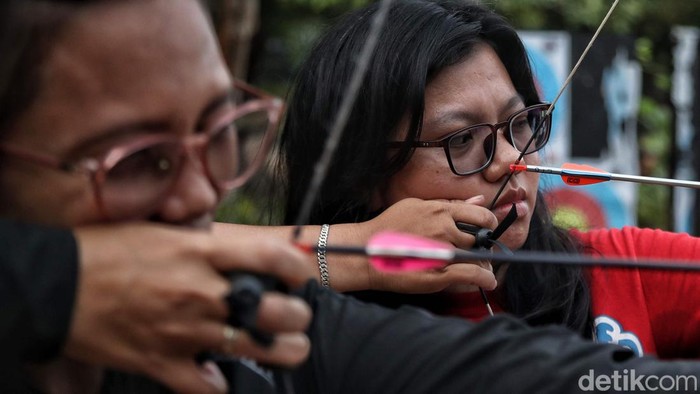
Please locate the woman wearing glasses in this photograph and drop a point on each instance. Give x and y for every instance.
(448, 104)
(123, 111)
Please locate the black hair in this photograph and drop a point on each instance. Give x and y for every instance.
(420, 38)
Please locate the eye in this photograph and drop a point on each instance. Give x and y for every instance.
(522, 124)
(463, 140)
(151, 162)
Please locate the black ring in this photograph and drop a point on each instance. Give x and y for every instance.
(243, 302)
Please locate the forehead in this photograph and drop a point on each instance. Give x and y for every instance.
(478, 89)
(120, 43)
(124, 60)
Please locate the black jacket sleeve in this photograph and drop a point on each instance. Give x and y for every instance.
(38, 278)
(363, 348)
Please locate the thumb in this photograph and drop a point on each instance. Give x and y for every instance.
(479, 199)
(476, 200)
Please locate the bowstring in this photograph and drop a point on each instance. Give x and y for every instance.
(566, 83)
(323, 164)
(556, 99)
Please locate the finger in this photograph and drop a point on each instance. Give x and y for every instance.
(185, 376)
(473, 214)
(206, 335)
(479, 199)
(287, 349)
(206, 294)
(462, 239)
(473, 274)
(485, 264)
(265, 256)
(279, 313)
(437, 280)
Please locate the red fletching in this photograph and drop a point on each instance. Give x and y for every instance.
(582, 175)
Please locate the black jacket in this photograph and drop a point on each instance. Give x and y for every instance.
(356, 347)
(38, 278)
(364, 348)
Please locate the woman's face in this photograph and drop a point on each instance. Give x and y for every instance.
(477, 90)
(119, 71)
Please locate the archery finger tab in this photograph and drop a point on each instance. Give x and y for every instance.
(244, 301)
(467, 228)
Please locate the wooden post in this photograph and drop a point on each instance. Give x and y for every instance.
(238, 22)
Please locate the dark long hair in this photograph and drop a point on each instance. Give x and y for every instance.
(420, 39)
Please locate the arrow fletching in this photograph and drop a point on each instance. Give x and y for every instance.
(392, 252)
(582, 175)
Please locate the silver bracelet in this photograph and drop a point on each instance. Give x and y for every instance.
(321, 253)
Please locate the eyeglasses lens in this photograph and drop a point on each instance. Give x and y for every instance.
(471, 149)
(141, 177)
(523, 125)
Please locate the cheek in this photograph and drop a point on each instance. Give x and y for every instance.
(533, 159)
(56, 200)
(428, 177)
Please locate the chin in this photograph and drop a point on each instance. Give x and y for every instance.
(515, 237)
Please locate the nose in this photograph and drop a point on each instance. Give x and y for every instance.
(504, 155)
(193, 199)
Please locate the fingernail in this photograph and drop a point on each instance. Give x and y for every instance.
(211, 373)
(302, 310)
(476, 199)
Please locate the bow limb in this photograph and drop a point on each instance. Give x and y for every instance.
(342, 116)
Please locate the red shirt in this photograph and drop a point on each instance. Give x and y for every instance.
(649, 311)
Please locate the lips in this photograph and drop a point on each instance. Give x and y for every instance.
(510, 197)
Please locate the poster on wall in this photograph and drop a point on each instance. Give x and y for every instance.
(595, 124)
(549, 54)
(685, 83)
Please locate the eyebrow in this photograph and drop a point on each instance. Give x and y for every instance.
(466, 115)
(127, 128)
(227, 98)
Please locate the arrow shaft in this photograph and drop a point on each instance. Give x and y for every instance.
(532, 257)
(608, 176)
(521, 257)
(655, 181)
